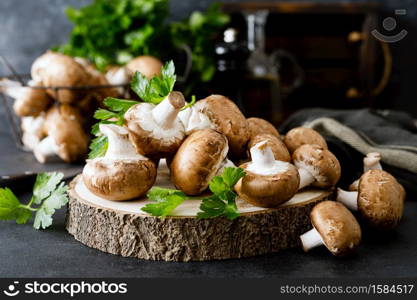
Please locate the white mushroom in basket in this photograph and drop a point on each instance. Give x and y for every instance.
(66, 137)
(201, 156)
(268, 182)
(28, 100)
(278, 148)
(156, 131)
(225, 117)
(32, 130)
(317, 166)
(335, 227)
(379, 199)
(58, 70)
(122, 173)
(260, 126)
(299, 136)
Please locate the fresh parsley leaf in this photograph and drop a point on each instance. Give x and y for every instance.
(98, 147)
(11, 209)
(157, 88)
(222, 202)
(45, 183)
(188, 105)
(231, 176)
(118, 105)
(55, 200)
(48, 195)
(166, 201)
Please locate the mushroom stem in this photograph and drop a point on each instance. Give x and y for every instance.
(306, 178)
(349, 199)
(262, 156)
(311, 239)
(119, 144)
(165, 112)
(46, 150)
(372, 162)
(197, 120)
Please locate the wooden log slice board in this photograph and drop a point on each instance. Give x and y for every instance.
(122, 228)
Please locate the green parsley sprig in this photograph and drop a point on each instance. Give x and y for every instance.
(49, 194)
(221, 203)
(166, 201)
(223, 200)
(156, 89)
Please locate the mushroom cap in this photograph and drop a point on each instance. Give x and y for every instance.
(299, 136)
(260, 126)
(32, 101)
(197, 160)
(277, 146)
(320, 162)
(55, 69)
(119, 179)
(380, 199)
(64, 124)
(227, 119)
(148, 137)
(338, 228)
(268, 190)
(149, 66)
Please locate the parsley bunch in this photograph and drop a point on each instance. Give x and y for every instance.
(115, 31)
(49, 194)
(221, 203)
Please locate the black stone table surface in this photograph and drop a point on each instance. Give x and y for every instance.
(26, 252)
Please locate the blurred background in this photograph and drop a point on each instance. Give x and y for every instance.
(30, 27)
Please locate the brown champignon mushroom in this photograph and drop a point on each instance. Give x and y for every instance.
(299, 136)
(200, 157)
(148, 66)
(156, 131)
(370, 162)
(28, 100)
(277, 146)
(335, 227)
(225, 117)
(379, 199)
(58, 70)
(122, 173)
(268, 182)
(66, 137)
(258, 126)
(317, 166)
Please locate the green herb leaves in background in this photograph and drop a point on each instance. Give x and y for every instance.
(49, 194)
(115, 31)
(223, 200)
(166, 201)
(156, 89)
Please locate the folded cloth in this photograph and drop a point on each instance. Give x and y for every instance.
(391, 133)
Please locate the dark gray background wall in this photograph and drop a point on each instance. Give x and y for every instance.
(29, 27)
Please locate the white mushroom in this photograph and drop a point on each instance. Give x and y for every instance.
(155, 130)
(268, 182)
(122, 173)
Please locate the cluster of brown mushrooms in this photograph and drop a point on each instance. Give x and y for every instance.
(200, 141)
(56, 108)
